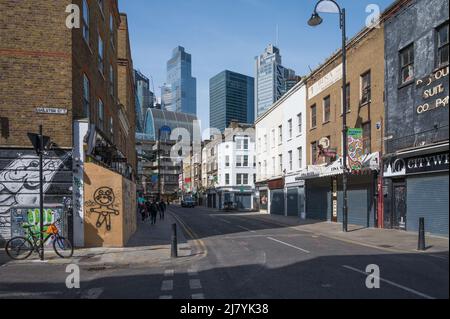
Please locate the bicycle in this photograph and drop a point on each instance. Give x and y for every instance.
(20, 248)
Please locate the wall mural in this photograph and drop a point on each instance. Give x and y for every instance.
(19, 182)
(103, 205)
(355, 149)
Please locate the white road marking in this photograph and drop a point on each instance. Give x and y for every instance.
(198, 296)
(5, 294)
(289, 245)
(93, 293)
(245, 228)
(166, 297)
(169, 273)
(223, 220)
(391, 283)
(167, 285)
(195, 284)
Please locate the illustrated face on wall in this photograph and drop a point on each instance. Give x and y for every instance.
(104, 196)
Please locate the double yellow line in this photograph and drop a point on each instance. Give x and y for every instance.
(193, 235)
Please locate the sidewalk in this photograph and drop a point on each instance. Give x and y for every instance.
(386, 239)
(151, 244)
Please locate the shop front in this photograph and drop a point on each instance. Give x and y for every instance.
(295, 196)
(416, 185)
(277, 198)
(262, 197)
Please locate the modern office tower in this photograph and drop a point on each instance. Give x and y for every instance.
(270, 79)
(231, 99)
(144, 98)
(180, 92)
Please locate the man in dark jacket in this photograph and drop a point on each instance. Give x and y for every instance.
(162, 210)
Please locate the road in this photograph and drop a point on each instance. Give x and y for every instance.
(242, 256)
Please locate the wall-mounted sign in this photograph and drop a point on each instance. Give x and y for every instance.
(325, 82)
(434, 91)
(51, 110)
(355, 147)
(416, 165)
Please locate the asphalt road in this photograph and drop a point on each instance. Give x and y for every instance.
(245, 257)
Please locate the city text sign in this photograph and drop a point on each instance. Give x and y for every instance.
(435, 91)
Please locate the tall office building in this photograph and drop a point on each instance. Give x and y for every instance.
(231, 99)
(271, 79)
(144, 98)
(179, 94)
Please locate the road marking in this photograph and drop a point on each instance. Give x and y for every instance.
(195, 284)
(391, 283)
(167, 285)
(166, 297)
(198, 296)
(5, 294)
(93, 293)
(289, 245)
(169, 273)
(223, 220)
(245, 228)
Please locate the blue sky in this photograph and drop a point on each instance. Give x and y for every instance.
(228, 34)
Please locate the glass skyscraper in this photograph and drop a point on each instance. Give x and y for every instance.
(231, 99)
(271, 78)
(179, 94)
(144, 98)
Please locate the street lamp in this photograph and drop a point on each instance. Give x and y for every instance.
(331, 6)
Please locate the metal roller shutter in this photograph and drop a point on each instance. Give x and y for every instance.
(293, 202)
(318, 200)
(277, 202)
(427, 196)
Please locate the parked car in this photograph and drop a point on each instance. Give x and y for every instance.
(187, 202)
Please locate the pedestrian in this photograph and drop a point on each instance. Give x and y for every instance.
(153, 212)
(148, 209)
(162, 210)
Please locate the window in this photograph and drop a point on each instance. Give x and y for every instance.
(442, 44)
(246, 144)
(280, 134)
(347, 97)
(367, 138)
(407, 64)
(290, 161)
(111, 80)
(111, 30)
(326, 109)
(239, 179)
(86, 20)
(239, 161)
(86, 96)
(111, 127)
(254, 178)
(227, 161)
(227, 179)
(101, 114)
(313, 116)
(300, 157)
(245, 161)
(365, 88)
(245, 181)
(274, 164)
(314, 153)
(239, 144)
(100, 53)
(273, 138)
(300, 124)
(290, 128)
(280, 159)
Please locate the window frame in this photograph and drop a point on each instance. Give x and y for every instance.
(327, 98)
(365, 92)
(101, 113)
(410, 49)
(86, 15)
(86, 99)
(101, 54)
(313, 116)
(440, 47)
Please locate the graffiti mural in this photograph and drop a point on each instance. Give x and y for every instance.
(355, 149)
(104, 206)
(19, 182)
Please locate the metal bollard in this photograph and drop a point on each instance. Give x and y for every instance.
(421, 246)
(174, 251)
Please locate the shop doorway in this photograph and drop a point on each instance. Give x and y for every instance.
(398, 219)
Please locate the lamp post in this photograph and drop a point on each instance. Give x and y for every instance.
(331, 6)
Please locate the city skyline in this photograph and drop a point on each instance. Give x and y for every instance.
(228, 47)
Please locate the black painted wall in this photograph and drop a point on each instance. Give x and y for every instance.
(415, 24)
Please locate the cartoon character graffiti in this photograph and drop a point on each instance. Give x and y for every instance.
(104, 199)
(19, 184)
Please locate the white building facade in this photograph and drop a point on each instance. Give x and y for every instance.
(281, 155)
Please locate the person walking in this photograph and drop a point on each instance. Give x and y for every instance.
(162, 210)
(153, 212)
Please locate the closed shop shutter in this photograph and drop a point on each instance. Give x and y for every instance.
(244, 201)
(427, 196)
(277, 202)
(293, 202)
(318, 199)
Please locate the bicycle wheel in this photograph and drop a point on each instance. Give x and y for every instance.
(63, 247)
(19, 248)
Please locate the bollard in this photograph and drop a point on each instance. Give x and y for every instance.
(174, 251)
(421, 246)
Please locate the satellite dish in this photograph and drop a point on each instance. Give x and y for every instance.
(324, 142)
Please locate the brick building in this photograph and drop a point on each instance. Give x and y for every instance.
(67, 80)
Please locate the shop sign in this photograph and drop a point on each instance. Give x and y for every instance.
(355, 147)
(325, 82)
(433, 91)
(417, 165)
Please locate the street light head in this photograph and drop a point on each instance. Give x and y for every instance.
(315, 20)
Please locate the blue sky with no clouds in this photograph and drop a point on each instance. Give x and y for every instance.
(228, 34)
